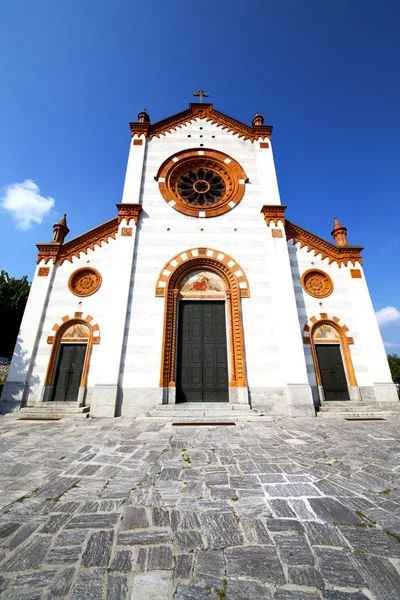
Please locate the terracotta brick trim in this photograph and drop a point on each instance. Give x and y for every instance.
(202, 111)
(345, 341)
(55, 339)
(168, 286)
(200, 256)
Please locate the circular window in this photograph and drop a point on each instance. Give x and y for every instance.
(317, 283)
(84, 282)
(201, 183)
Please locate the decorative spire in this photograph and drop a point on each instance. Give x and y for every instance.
(339, 233)
(258, 120)
(143, 117)
(60, 230)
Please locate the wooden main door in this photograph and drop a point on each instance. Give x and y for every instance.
(202, 365)
(332, 372)
(69, 372)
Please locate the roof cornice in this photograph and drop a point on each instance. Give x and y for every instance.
(202, 111)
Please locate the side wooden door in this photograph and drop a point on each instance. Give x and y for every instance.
(69, 372)
(332, 371)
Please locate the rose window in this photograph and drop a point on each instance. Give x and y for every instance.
(317, 283)
(200, 187)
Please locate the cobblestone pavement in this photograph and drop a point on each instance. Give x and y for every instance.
(301, 509)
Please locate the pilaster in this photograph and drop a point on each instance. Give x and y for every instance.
(134, 169)
(19, 381)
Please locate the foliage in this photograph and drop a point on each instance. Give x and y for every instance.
(13, 296)
(394, 364)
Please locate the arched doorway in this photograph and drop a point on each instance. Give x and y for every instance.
(334, 369)
(69, 360)
(203, 349)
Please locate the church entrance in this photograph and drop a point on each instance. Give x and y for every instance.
(332, 371)
(69, 372)
(202, 365)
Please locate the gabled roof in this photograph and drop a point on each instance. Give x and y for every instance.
(339, 254)
(202, 111)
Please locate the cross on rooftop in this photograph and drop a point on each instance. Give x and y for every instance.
(201, 93)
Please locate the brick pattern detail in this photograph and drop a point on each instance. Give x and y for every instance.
(201, 255)
(129, 212)
(264, 145)
(355, 273)
(126, 232)
(43, 271)
(277, 233)
(137, 142)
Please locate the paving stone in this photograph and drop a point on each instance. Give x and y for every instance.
(22, 534)
(290, 490)
(183, 566)
(332, 511)
(95, 521)
(254, 561)
(294, 549)
(337, 595)
(186, 541)
(62, 583)
(135, 517)
(305, 575)
(57, 487)
(321, 534)
(295, 595)
(373, 541)
(186, 592)
(7, 529)
(55, 523)
(160, 517)
(141, 538)
(160, 558)
(122, 562)
(221, 529)
(245, 482)
(246, 590)
(151, 586)
(382, 577)
(98, 549)
(336, 568)
(209, 568)
(28, 557)
(88, 586)
(282, 508)
(117, 587)
(276, 525)
(255, 532)
(189, 520)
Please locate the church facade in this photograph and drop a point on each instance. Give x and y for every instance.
(198, 290)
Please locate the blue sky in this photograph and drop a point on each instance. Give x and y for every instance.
(325, 74)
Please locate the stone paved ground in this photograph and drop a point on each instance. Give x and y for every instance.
(303, 509)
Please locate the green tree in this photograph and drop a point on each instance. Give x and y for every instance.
(13, 296)
(394, 364)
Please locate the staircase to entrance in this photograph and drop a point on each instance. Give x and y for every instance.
(204, 412)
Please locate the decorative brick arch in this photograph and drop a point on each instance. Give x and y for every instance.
(202, 254)
(345, 341)
(180, 266)
(57, 332)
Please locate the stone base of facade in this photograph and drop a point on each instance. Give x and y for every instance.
(11, 397)
(104, 401)
(294, 400)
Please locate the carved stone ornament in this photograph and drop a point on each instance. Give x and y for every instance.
(201, 183)
(84, 282)
(317, 283)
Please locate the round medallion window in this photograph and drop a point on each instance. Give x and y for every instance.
(317, 283)
(85, 281)
(201, 183)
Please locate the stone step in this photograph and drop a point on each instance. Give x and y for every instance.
(198, 413)
(196, 418)
(382, 414)
(59, 407)
(51, 413)
(209, 406)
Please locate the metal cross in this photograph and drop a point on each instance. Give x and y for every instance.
(201, 93)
